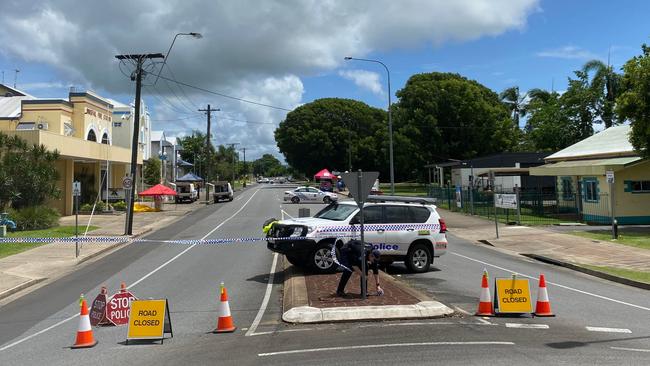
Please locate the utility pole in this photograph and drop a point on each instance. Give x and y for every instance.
(245, 167)
(208, 112)
(137, 76)
(234, 152)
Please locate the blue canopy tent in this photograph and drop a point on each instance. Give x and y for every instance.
(190, 177)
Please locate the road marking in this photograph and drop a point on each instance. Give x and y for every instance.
(404, 324)
(286, 213)
(527, 326)
(370, 346)
(631, 349)
(134, 283)
(265, 301)
(553, 283)
(282, 331)
(608, 330)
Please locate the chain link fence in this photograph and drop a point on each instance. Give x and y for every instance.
(536, 207)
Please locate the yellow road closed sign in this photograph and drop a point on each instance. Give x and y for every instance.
(149, 320)
(513, 295)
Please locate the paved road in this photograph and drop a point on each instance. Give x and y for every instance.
(35, 329)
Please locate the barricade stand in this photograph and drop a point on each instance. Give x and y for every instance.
(512, 296)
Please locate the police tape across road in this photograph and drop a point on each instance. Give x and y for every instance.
(340, 231)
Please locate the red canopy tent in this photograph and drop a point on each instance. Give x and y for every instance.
(158, 190)
(324, 174)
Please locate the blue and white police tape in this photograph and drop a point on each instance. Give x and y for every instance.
(369, 227)
(125, 239)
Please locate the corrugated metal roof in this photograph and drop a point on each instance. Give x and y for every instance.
(614, 140)
(585, 167)
(10, 106)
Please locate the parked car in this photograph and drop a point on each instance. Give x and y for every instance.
(407, 229)
(309, 194)
(186, 192)
(222, 191)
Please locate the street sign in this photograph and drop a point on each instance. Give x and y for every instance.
(610, 176)
(505, 200)
(459, 197)
(149, 319)
(76, 188)
(360, 191)
(512, 295)
(127, 182)
(98, 310)
(118, 308)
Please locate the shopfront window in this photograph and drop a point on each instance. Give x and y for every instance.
(591, 190)
(641, 186)
(567, 188)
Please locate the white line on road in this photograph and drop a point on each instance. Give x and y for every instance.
(526, 326)
(369, 346)
(265, 301)
(631, 349)
(134, 283)
(283, 331)
(555, 284)
(608, 330)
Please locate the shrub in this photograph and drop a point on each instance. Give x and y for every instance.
(119, 206)
(86, 207)
(35, 217)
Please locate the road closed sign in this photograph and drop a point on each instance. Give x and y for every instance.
(513, 295)
(149, 320)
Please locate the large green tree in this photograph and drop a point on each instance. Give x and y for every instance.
(605, 85)
(28, 175)
(151, 171)
(326, 132)
(267, 166)
(444, 115)
(634, 103)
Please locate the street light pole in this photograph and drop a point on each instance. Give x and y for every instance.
(193, 34)
(390, 122)
(208, 112)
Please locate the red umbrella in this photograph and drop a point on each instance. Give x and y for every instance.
(158, 190)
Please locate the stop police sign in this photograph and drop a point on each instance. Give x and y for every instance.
(118, 308)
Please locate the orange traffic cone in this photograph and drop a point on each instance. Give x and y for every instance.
(485, 301)
(85, 337)
(224, 323)
(543, 307)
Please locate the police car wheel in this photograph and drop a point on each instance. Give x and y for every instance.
(418, 258)
(295, 200)
(321, 259)
(327, 200)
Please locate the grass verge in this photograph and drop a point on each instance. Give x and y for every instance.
(7, 249)
(630, 238)
(620, 272)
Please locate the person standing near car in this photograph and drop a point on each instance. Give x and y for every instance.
(352, 254)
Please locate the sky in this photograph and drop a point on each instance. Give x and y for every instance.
(285, 53)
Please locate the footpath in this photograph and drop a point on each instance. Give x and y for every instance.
(551, 246)
(53, 260)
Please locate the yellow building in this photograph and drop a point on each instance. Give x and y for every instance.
(80, 129)
(581, 170)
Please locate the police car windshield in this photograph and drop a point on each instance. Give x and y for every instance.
(336, 212)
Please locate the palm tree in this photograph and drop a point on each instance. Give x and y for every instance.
(515, 102)
(605, 83)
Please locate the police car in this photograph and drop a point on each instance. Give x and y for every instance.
(310, 194)
(407, 229)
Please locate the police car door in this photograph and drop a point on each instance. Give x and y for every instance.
(373, 230)
(400, 231)
(313, 194)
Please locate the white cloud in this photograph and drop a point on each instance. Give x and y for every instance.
(253, 49)
(365, 79)
(568, 52)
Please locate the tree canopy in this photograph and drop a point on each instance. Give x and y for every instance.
(634, 102)
(318, 135)
(444, 115)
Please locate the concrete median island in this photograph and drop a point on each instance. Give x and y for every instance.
(310, 298)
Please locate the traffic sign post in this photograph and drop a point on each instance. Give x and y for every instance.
(76, 192)
(610, 181)
(360, 184)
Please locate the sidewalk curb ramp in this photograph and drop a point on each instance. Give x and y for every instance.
(575, 267)
(296, 309)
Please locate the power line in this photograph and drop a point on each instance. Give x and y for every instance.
(226, 95)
